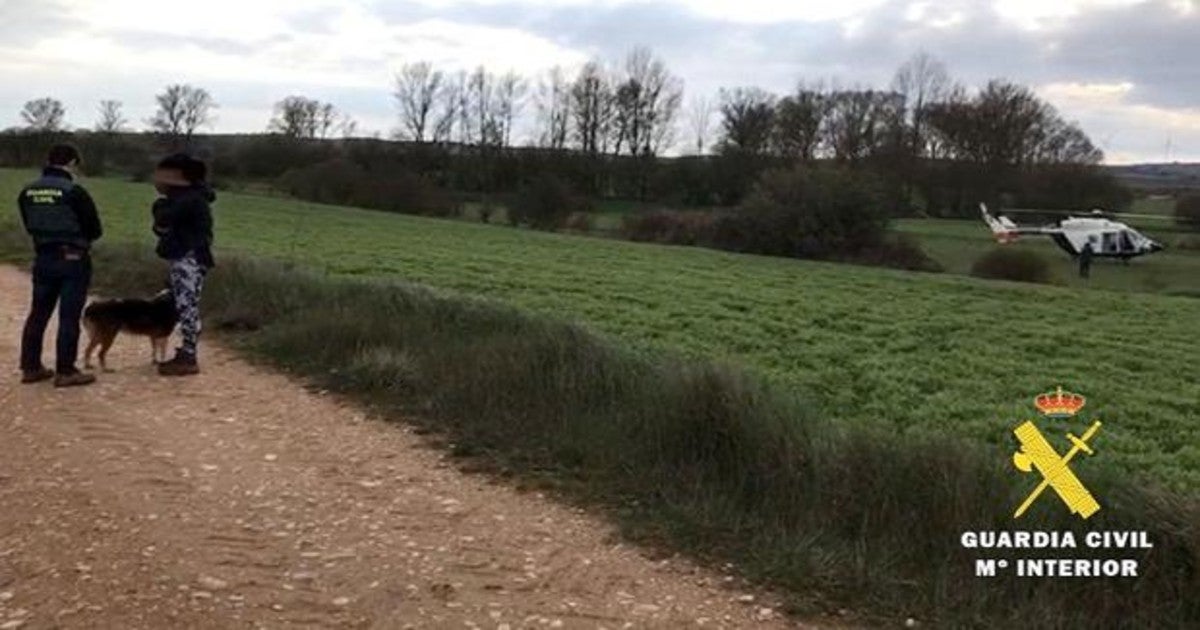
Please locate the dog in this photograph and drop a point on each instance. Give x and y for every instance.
(154, 318)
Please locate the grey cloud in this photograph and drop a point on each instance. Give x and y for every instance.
(146, 41)
(313, 21)
(1149, 44)
(706, 52)
(602, 31)
(24, 22)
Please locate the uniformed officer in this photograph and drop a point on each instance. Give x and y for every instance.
(62, 219)
(1085, 260)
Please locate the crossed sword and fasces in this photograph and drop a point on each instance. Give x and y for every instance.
(1037, 452)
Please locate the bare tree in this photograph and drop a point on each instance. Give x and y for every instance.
(553, 103)
(347, 126)
(111, 119)
(628, 119)
(747, 118)
(647, 101)
(799, 120)
(592, 107)
(182, 110)
(699, 119)
(449, 100)
(481, 89)
(418, 86)
(43, 114)
(510, 100)
(294, 117)
(940, 121)
(922, 81)
(463, 109)
(301, 117)
(1007, 125)
(326, 120)
(491, 105)
(861, 122)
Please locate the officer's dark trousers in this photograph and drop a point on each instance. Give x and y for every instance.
(58, 279)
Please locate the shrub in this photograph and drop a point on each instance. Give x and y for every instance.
(668, 226)
(578, 222)
(821, 213)
(1008, 263)
(1188, 242)
(332, 181)
(545, 202)
(900, 251)
(266, 157)
(343, 182)
(826, 214)
(1187, 211)
(486, 210)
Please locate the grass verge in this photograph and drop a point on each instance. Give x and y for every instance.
(696, 456)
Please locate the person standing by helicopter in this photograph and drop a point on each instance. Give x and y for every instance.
(1085, 261)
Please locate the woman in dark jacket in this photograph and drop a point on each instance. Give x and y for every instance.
(184, 225)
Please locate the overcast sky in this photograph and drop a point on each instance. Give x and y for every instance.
(1127, 70)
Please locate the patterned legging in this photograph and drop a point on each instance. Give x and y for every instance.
(187, 281)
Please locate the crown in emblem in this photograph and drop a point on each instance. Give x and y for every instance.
(1059, 404)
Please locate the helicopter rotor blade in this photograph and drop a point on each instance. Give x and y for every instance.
(1103, 213)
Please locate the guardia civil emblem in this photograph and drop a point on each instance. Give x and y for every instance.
(1037, 453)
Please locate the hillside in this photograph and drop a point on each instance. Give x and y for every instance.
(909, 352)
(1168, 176)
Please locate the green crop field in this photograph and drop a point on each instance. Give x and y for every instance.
(903, 351)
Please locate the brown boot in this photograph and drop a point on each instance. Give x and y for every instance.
(36, 376)
(181, 365)
(73, 379)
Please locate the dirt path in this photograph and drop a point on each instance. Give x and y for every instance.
(238, 499)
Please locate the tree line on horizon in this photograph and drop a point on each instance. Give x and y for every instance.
(604, 126)
(636, 107)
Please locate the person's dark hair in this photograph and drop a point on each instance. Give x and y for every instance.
(196, 171)
(63, 155)
(193, 170)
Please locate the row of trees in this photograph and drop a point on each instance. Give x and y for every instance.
(628, 109)
(924, 115)
(928, 135)
(632, 108)
(181, 111)
(601, 128)
(308, 118)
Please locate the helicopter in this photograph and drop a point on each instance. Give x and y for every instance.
(1108, 238)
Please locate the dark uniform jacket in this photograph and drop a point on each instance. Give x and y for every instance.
(183, 222)
(57, 212)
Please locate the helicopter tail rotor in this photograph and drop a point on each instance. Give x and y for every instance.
(1002, 227)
